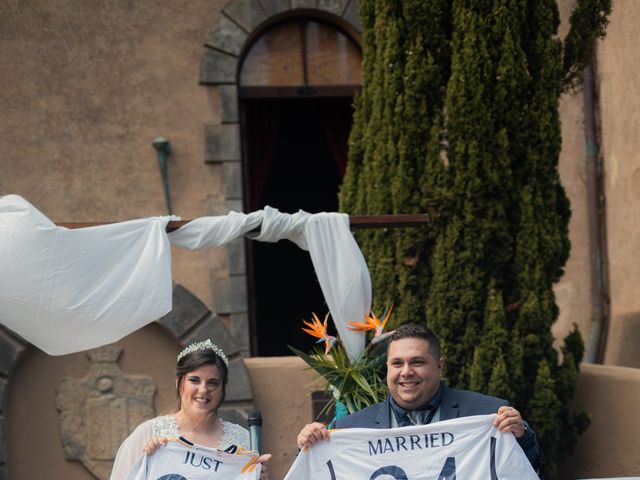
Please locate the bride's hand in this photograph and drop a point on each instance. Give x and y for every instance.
(264, 460)
(153, 444)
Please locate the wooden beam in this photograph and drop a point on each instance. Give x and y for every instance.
(299, 91)
(356, 221)
(388, 221)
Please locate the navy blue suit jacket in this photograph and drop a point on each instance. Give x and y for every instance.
(454, 404)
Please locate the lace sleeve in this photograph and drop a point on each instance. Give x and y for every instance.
(234, 435)
(131, 450)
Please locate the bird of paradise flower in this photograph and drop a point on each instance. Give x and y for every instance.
(354, 384)
(319, 330)
(374, 324)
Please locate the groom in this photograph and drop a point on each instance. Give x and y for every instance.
(417, 396)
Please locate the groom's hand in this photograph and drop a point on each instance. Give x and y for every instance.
(312, 433)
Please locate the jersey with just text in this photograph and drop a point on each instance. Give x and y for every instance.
(182, 460)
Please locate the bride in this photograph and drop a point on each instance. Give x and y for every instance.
(201, 379)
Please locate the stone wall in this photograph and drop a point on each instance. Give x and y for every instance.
(89, 89)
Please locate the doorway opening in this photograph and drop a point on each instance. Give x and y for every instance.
(296, 154)
(296, 85)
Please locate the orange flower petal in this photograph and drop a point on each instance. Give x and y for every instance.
(360, 327)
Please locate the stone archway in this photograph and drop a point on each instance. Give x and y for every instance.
(190, 320)
(11, 348)
(239, 23)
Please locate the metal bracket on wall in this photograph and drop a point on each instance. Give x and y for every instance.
(163, 150)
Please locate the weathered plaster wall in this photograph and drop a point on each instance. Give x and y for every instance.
(609, 448)
(573, 291)
(618, 98)
(282, 389)
(618, 77)
(86, 87)
(33, 422)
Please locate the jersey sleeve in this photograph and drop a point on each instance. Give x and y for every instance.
(512, 463)
(301, 467)
(139, 469)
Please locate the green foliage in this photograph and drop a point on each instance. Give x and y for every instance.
(405, 67)
(572, 352)
(588, 21)
(498, 385)
(489, 372)
(472, 249)
(458, 117)
(358, 384)
(544, 410)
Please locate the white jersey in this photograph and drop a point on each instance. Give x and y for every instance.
(468, 448)
(180, 460)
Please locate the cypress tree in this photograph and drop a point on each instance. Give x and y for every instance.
(395, 141)
(544, 405)
(459, 112)
(498, 385)
(572, 353)
(496, 359)
(508, 220)
(473, 249)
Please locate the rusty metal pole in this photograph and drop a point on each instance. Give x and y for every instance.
(355, 221)
(597, 342)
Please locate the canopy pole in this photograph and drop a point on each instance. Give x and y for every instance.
(355, 221)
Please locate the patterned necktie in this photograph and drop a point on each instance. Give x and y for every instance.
(421, 416)
(417, 417)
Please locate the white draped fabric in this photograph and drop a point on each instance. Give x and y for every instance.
(340, 267)
(67, 290)
(214, 231)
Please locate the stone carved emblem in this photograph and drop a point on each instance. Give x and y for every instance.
(97, 412)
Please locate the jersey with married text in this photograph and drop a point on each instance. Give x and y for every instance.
(468, 448)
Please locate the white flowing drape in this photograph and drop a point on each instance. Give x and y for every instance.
(67, 290)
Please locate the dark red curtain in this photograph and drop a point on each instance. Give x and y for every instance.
(263, 119)
(336, 118)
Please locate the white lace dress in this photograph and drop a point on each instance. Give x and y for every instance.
(166, 426)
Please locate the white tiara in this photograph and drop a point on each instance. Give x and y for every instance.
(194, 347)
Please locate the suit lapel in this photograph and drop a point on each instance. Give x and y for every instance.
(382, 419)
(449, 405)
